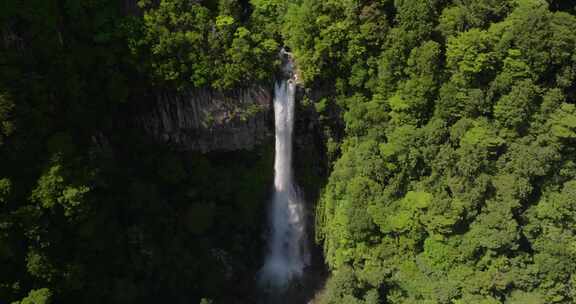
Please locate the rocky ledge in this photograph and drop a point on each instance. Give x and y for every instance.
(207, 120)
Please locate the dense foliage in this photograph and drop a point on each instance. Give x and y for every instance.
(189, 43)
(456, 180)
(94, 213)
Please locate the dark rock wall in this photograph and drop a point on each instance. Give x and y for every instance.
(205, 120)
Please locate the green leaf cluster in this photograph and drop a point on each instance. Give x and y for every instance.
(190, 44)
(455, 179)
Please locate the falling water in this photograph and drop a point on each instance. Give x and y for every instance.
(287, 254)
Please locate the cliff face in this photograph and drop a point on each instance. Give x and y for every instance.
(205, 120)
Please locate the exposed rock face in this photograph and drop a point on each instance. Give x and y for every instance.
(205, 120)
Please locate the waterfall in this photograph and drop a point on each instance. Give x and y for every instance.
(287, 255)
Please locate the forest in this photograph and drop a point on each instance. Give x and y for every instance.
(448, 126)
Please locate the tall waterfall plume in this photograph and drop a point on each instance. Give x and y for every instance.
(288, 254)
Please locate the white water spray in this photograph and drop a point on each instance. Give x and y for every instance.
(287, 254)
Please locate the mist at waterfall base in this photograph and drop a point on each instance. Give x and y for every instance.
(287, 250)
